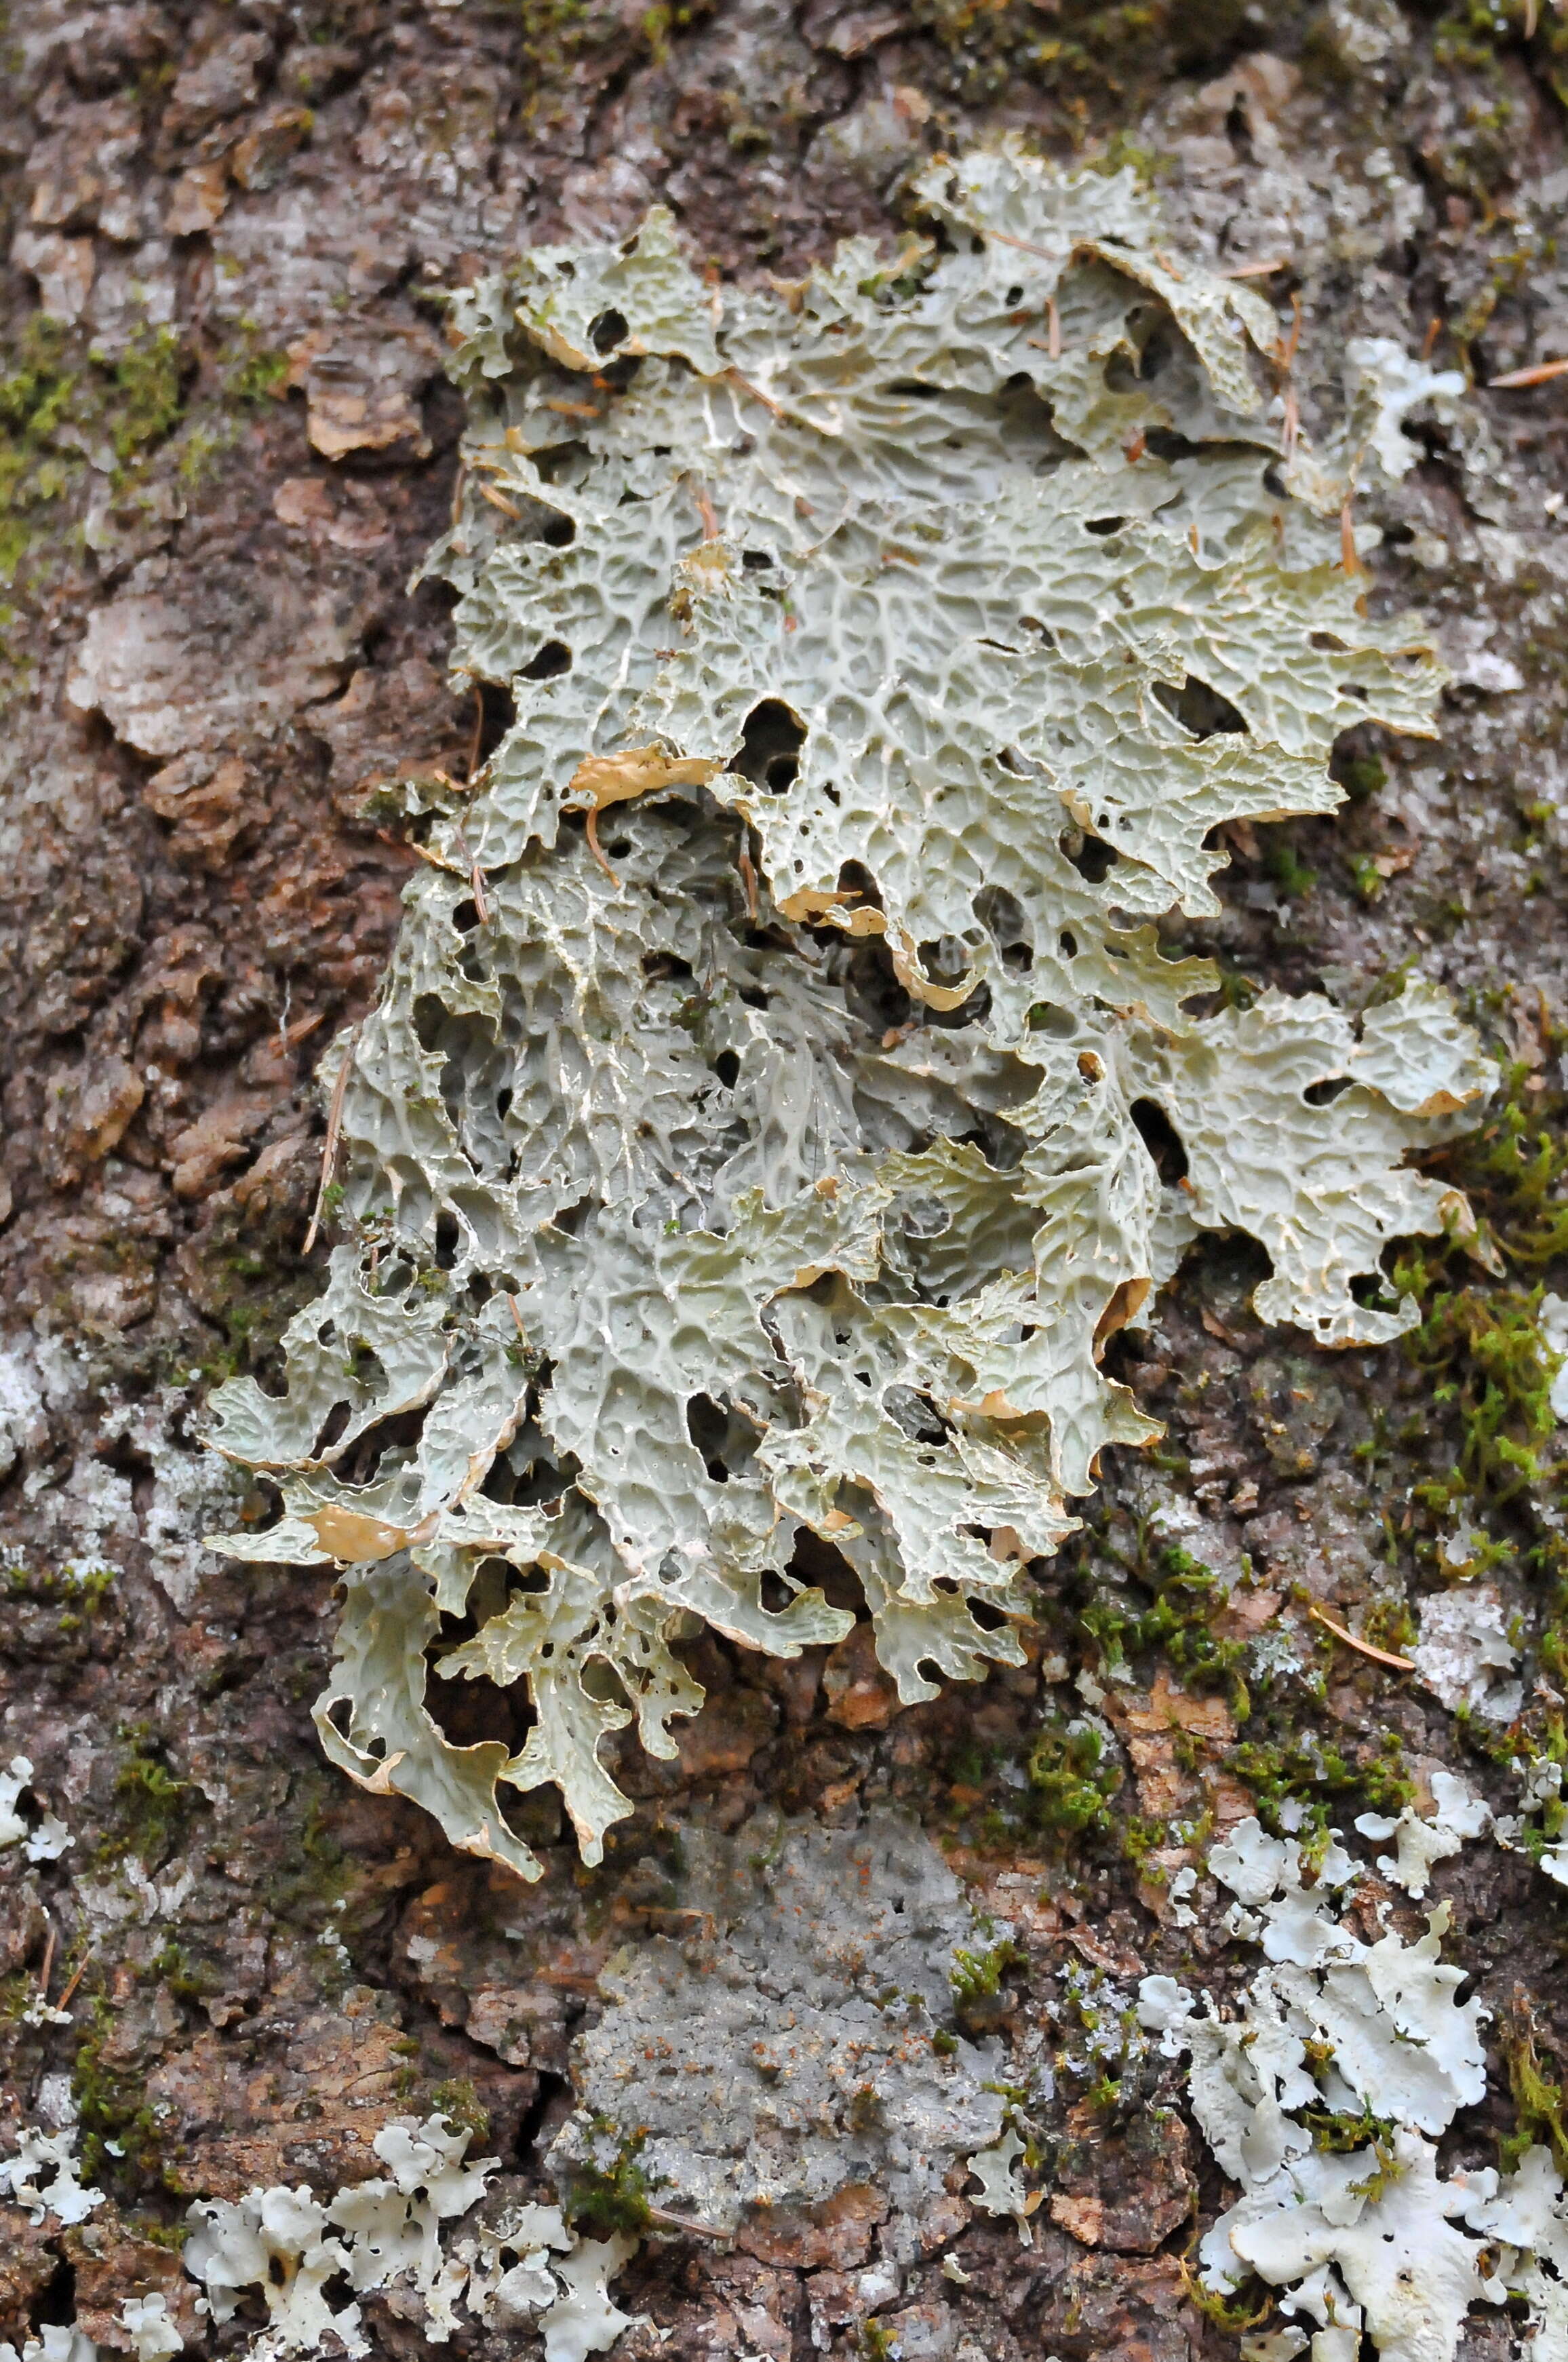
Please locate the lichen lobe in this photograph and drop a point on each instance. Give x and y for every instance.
(745, 1143)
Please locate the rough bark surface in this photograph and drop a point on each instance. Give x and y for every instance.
(225, 445)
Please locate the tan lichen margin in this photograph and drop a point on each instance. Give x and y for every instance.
(772, 1166)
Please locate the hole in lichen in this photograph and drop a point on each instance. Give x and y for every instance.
(1203, 710)
(498, 712)
(916, 1414)
(552, 660)
(447, 1238)
(770, 746)
(1090, 856)
(607, 331)
(1322, 1093)
(1104, 526)
(707, 1425)
(1162, 1140)
(727, 1065)
(1001, 915)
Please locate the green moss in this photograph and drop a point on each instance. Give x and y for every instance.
(1070, 1784)
(1514, 1170)
(35, 397)
(603, 2200)
(259, 375)
(557, 33)
(1286, 867)
(172, 1965)
(1242, 2310)
(976, 1977)
(146, 403)
(1087, 56)
(1537, 2102)
(1483, 1352)
(459, 2103)
(1289, 1768)
(111, 2107)
(150, 1802)
(1177, 1627)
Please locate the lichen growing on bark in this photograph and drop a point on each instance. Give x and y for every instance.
(770, 1158)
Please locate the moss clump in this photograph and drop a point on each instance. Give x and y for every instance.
(1291, 1768)
(150, 1801)
(1070, 1784)
(1088, 57)
(1537, 2102)
(976, 1977)
(117, 2125)
(1514, 1170)
(1484, 1354)
(146, 403)
(1176, 1626)
(559, 34)
(259, 375)
(600, 2201)
(459, 2103)
(35, 397)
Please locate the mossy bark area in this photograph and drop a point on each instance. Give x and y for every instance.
(225, 445)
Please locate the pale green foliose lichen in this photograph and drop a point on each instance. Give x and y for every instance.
(764, 1155)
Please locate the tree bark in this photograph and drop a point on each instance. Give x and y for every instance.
(226, 446)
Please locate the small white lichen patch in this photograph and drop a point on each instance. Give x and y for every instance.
(43, 2175)
(42, 1840)
(1464, 1654)
(55, 2341)
(1002, 2193)
(305, 2255)
(1383, 384)
(743, 1144)
(149, 2324)
(1364, 2240)
(1420, 1843)
(1554, 1322)
(1541, 1826)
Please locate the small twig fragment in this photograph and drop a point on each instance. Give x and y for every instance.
(744, 385)
(329, 1146)
(1542, 373)
(668, 2221)
(1379, 1656)
(591, 833)
(477, 741)
(76, 1977)
(1349, 558)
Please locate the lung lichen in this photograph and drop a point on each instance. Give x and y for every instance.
(746, 1139)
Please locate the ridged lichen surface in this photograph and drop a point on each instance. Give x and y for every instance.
(750, 1141)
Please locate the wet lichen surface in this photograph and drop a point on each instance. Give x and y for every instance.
(841, 1944)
